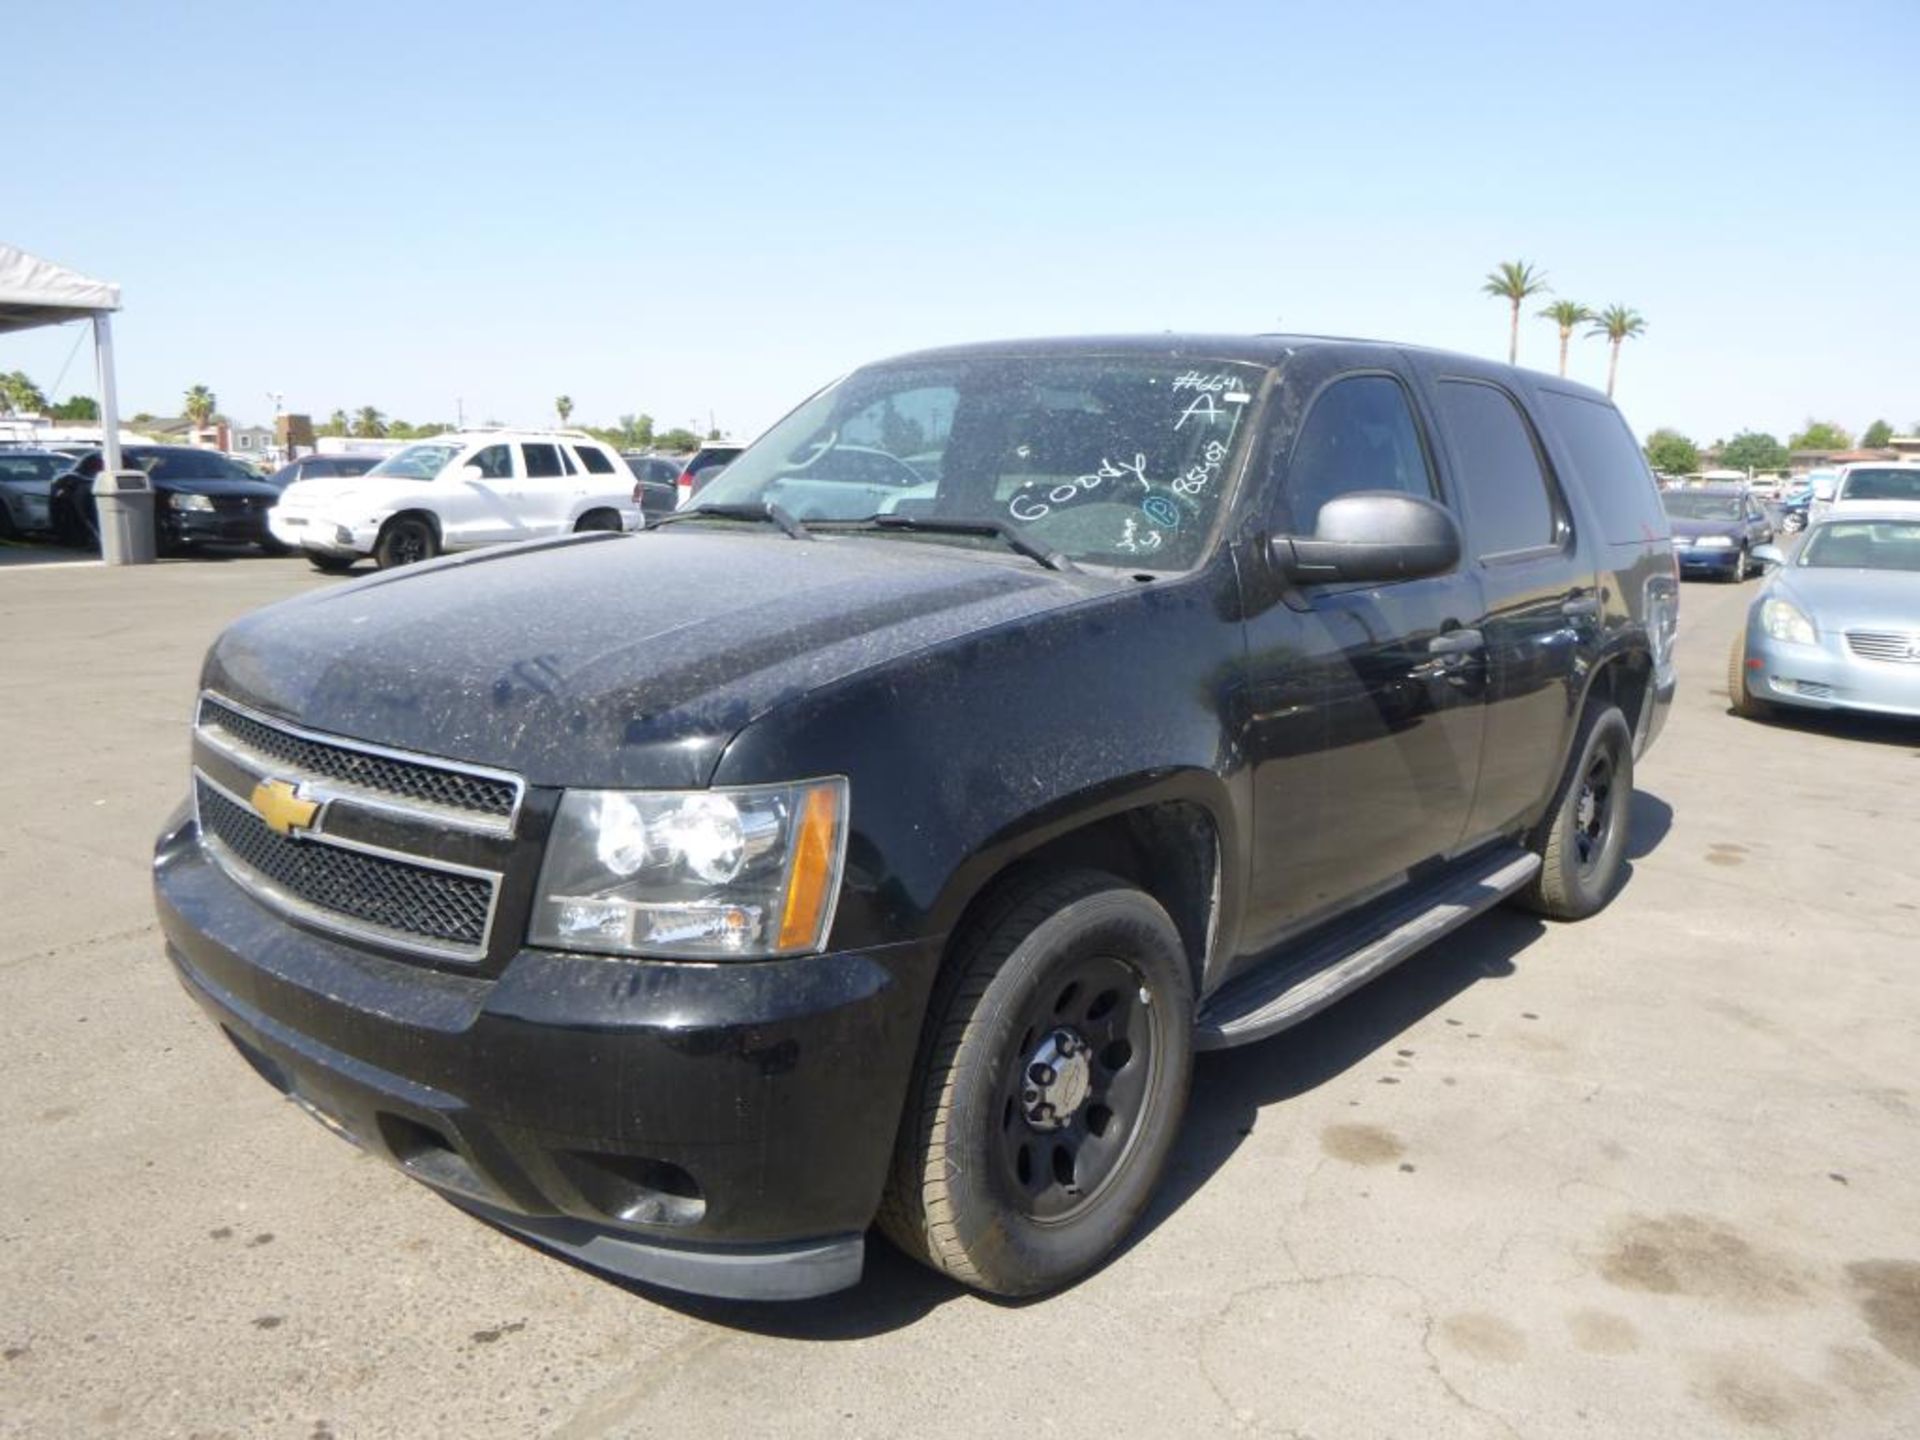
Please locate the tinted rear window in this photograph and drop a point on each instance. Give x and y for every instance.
(542, 460)
(1902, 484)
(707, 459)
(596, 461)
(1608, 463)
(189, 465)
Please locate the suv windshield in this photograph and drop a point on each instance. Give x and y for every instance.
(1863, 545)
(416, 462)
(1683, 506)
(1882, 485)
(1108, 460)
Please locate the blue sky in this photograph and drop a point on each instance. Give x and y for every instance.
(714, 208)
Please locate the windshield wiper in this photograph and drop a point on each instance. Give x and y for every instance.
(767, 511)
(1011, 536)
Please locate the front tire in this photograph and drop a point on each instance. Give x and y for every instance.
(407, 540)
(1742, 700)
(330, 564)
(1582, 842)
(1050, 1088)
(1742, 566)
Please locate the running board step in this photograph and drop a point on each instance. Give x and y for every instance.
(1282, 994)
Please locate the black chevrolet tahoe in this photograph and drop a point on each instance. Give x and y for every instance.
(879, 839)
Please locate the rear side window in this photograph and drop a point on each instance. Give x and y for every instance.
(1509, 499)
(542, 460)
(1611, 467)
(1360, 435)
(596, 461)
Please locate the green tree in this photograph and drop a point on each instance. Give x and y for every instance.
(1753, 450)
(1821, 435)
(76, 407)
(1672, 453)
(336, 424)
(637, 431)
(1876, 435)
(369, 423)
(198, 406)
(400, 430)
(20, 396)
(1566, 314)
(563, 407)
(1513, 281)
(677, 439)
(1618, 324)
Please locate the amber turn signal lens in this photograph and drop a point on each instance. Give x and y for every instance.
(810, 886)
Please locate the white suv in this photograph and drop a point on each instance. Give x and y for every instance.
(454, 492)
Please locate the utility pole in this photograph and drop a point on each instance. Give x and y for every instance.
(459, 413)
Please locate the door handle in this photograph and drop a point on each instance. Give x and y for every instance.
(1456, 642)
(1581, 607)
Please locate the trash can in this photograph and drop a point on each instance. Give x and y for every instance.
(123, 500)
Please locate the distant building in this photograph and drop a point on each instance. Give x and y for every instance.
(251, 440)
(1799, 462)
(1907, 447)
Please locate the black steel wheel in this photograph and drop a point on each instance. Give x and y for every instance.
(1049, 1087)
(407, 540)
(1582, 842)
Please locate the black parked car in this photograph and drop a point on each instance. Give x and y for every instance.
(199, 497)
(900, 865)
(1716, 529)
(656, 480)
(321, 467)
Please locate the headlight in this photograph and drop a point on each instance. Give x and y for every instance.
(1713, 542)
(740, 874)
(1784, 620)
(192, 502)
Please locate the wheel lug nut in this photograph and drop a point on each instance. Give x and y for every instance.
(1030, 1095)
(1042, 1073)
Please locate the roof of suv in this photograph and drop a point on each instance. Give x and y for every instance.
(475, 435)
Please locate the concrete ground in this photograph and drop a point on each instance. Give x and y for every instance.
(1651, 1175)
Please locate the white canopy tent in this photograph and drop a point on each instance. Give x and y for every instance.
(35, 292)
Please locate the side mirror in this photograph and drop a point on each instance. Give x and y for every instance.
(470, 474)
(1771, 556)
(1371, 535)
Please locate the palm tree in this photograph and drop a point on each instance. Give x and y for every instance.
(1617, 323)
(563, 406)
(20, 396)
(199, 406)
(1566, 314)
(1514, 281)
(369, 423)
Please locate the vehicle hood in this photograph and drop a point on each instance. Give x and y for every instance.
(615, 660)
(1693, 529)
(1864, 599)
(257, 489)
(336, 489)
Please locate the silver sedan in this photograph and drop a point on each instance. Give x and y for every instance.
(1837, 625)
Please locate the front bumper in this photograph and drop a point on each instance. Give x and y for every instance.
(211, 527)
(1816, 677)
(1706, 562)
(320, 533)
(722, 1128)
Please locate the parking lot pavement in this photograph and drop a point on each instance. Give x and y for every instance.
(1651, 1175)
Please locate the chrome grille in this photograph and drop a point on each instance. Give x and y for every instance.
(405, 850)
(383, 892)
(405, 778)
(1897, 645)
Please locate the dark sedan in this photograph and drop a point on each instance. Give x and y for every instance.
(199, 497)
(1716, 529)
(322, 467)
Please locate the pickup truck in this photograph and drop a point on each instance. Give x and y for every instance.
(1165, 691)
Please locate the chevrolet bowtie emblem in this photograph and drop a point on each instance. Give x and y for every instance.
(281, 806)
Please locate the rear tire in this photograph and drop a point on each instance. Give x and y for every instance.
(407, 540)
(1582, 842)
(1049, 1089)
(598, 520)
(1742, 700)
